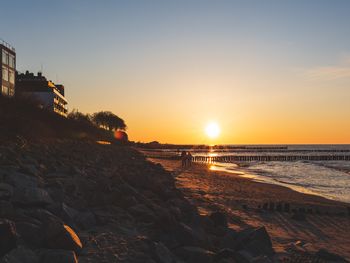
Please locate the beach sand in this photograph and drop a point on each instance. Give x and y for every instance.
(243, 201)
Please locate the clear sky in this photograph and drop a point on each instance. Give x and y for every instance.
(265, 71)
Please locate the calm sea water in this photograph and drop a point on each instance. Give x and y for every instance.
(330, 179)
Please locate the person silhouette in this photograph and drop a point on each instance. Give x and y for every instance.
(189, 159)
(183, 159)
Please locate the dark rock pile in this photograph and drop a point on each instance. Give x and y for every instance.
(64, 201)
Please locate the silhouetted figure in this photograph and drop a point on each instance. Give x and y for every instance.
(189, 159)
(183, 159)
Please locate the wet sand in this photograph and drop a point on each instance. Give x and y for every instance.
(327, 223)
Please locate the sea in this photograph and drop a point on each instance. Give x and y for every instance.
(330, 179)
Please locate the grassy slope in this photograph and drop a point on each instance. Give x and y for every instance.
(21, 118)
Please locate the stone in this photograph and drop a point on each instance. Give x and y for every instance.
(6, 209)
(225, 253)
(85, 220)
(142, 213)
(31, 233)
(61, 236)
(21, 180)
(228, 240)
(32, 196)
(58, 256)
(67, 213)
(195, 254)
(29, 169)
(219, 219)
(256, 241)
(6, 191)
(20, 255)
(8, 237)
(163, 254)
(184, 234)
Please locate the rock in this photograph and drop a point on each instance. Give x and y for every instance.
(21, 180)
(20, 255)
(184, 234)
(162, 253)
(57, 256)
(8, 237)
(29, 169)
(142, 213)
(6, 209)
(61, 236)
(195, 254)
(256, 241)
(225, 253)
(32, 196)
(85, 220)
(6, 191)
(31, 233)
(73, 217)
(219, 219)
(244, 256)
(329, 257)
(228, 240)
(64, 211)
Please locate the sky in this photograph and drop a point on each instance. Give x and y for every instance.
(265, 71)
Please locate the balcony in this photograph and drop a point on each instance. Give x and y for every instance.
(5, 44)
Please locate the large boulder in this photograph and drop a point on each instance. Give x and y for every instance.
(20, 255)
(32, 196)
(256, 241)
(163, 254)
(6, 209)
(225, 254)
(184, 235)
(6, 191)
(57, 256)
(142, 213)
(8, 236)
(21, 180)
(195, 254)
(32, 233)
(61, 236)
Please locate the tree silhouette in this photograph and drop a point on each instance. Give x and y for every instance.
(79, 116)
(108, 121)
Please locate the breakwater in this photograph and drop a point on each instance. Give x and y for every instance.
(269, 158)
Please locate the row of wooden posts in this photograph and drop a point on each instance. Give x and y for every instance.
(269, 158)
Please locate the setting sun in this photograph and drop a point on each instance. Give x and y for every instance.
(212, 130)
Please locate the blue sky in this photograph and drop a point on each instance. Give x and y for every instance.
(133, 57)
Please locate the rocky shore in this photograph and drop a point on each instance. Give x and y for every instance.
(80, 201)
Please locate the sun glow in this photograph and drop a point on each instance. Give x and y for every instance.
(212, 130)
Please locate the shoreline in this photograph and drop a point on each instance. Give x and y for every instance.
(250, 203)
(266, 180)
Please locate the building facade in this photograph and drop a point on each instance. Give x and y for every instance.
(8, 69)
(44, 92)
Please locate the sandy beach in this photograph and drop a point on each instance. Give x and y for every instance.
(250, 203)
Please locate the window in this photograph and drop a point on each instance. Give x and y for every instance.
(5, 90)
(4, 57)
(12, 76)
(5, 74)
(11, 61)
(11, 92)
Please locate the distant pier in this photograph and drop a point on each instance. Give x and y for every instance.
(269, 158)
